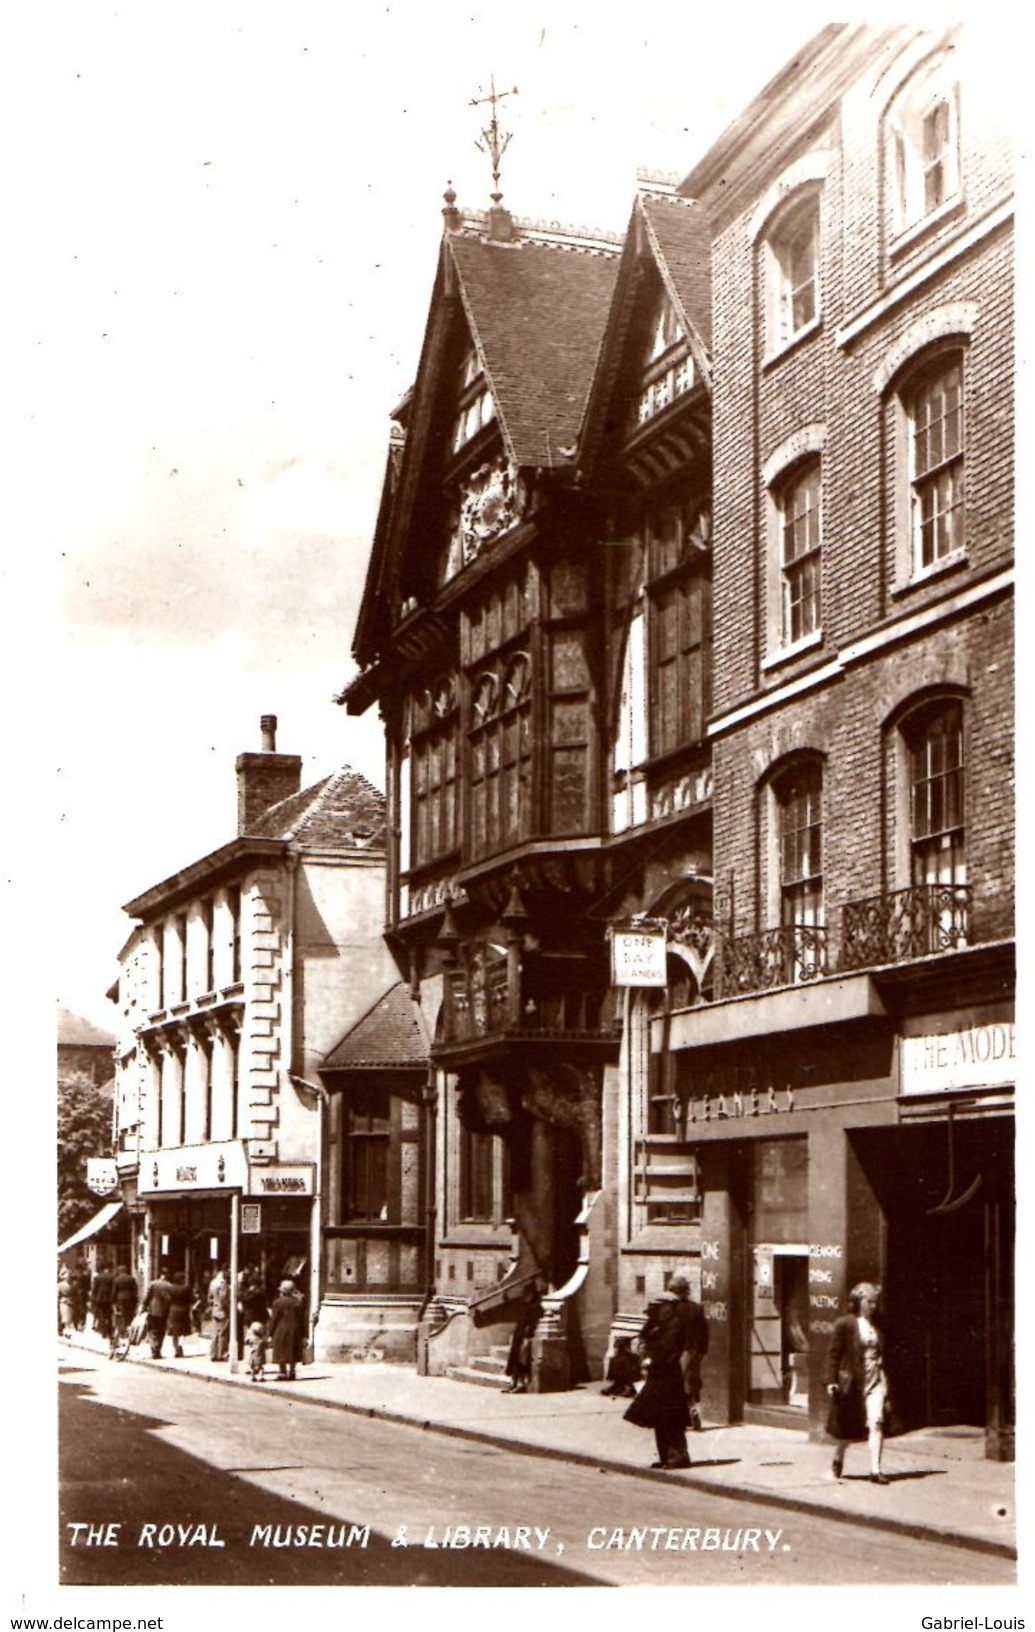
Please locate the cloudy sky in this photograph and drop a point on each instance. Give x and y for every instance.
(235, 213)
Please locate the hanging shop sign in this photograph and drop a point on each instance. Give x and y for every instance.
(193, 1167)
(973, 1052)
(102, 1176)
(638, 954)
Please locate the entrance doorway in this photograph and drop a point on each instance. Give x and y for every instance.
(948, 1292)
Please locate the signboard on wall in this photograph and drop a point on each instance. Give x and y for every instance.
(251, 1218)
(281, 1179)
(973, 1051)
(220, 1166)
(638, 954)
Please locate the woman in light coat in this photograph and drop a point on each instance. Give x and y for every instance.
(856, 1380)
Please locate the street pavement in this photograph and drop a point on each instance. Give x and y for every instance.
(941, 1486)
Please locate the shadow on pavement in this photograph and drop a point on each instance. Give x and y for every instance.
(117, 1477)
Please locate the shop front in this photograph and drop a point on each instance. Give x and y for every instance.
(209, 1207)
(876, 1150)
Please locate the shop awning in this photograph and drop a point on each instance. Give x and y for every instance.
(97, 1222)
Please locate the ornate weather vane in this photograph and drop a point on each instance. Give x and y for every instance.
(494, 140)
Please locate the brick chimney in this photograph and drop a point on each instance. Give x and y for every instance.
(265, 778)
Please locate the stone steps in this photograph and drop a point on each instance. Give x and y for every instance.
(484, 1370)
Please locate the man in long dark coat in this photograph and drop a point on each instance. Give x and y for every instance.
(674, 1338)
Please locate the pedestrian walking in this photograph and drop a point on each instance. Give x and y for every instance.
(101, 1302)
(179, 1324)
(856, 1380)
(80, 1293)
(157, 1301)
(219, 1311)
(519, 1356)
(66, 1301)
(125, 1295)
(674, 1332)
(286, 1330)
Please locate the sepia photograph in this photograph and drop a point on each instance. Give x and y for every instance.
(523, 508)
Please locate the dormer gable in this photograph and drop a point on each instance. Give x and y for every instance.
(649, 408)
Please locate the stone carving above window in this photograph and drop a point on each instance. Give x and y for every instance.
(490, 504)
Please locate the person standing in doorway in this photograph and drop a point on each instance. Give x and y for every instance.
(675, 1330)
(856, 1380)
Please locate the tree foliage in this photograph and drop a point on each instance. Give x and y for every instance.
(83, 1130)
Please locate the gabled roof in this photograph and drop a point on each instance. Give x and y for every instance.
(534, 306)
(343, 812)
(536, 314)
(681, 235)
(673, 236)
(387, 1037)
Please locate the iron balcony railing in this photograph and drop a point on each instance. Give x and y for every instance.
(775, 957)
(905, 924)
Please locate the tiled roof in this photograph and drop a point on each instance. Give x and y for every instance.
(74, 1032)
(344, 811)
(388, 1036)
(681, 231)
(538, 314)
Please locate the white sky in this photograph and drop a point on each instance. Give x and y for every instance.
(222, 226)
(235, 215)
(232, 211)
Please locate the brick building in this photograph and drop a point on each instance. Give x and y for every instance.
(693, 641)
(861, 733)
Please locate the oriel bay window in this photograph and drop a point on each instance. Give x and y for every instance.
(679, 627)
(436, 785)
(367, 1136)
(568, 703)
(498, 663)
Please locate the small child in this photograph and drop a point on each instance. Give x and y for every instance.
(256, 1343)
(623, 1369)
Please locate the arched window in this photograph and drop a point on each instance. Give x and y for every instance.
(791, 270)
(799, 805)
(934, 742)
(923, 154)
(932, 400)
(799, 541)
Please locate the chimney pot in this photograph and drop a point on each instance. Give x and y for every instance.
(268, 723)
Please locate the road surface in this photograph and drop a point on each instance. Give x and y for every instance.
(171, 1480)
